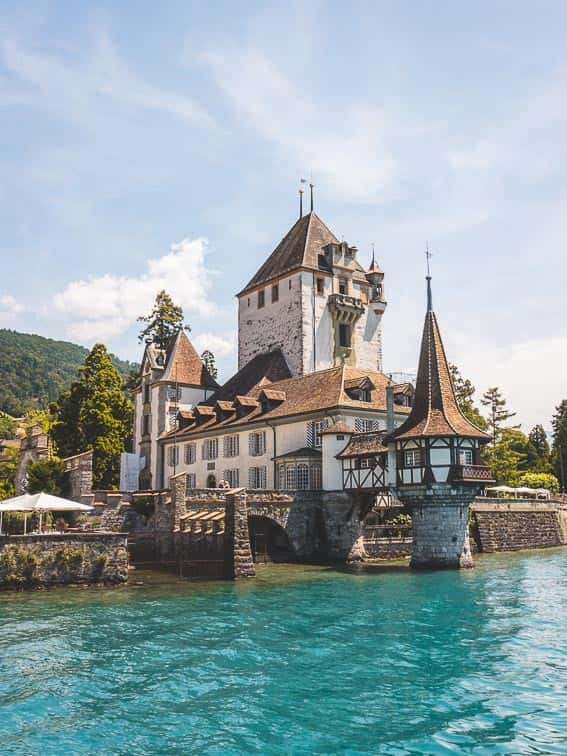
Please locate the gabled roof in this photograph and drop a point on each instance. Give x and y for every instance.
(306, 394)
(301, 247)
(263, 369)
(435, 411)
(364, 444)
(183, 364)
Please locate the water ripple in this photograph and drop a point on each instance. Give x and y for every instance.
(301, 661)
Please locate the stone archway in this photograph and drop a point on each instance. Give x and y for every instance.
(268, 540)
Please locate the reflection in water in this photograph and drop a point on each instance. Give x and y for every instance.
(301, 660)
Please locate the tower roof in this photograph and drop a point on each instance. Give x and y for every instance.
(301, 247)
(435, 411)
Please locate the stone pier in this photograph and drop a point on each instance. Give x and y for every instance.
(440, 520)
(238, 561)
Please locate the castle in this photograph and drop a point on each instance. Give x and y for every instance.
(309, 359)
(310, 410)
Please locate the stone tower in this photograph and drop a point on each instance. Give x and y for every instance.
(313, 300)
(438, 460)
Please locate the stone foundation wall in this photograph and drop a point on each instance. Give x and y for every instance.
(49, 559)
(510, 527)
(388, 548)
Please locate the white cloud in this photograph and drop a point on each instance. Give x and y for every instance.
(81, 84)
(220, 346)
(531, 374)
(9, 309)
(103, 307)
(346, 148)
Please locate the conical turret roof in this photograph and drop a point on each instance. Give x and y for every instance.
(435, 411)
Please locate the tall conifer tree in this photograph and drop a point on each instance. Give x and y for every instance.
(163, 322)
(94, 414)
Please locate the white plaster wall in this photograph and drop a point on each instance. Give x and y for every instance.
(275, 325)
(243, 462)
(333, 467)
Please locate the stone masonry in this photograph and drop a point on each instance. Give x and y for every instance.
(512, 526)
(59, 559)
(440, 521)
(237, 552)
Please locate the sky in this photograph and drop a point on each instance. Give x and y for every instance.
(147, 146)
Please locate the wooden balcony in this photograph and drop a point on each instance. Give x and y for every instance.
(471, 474)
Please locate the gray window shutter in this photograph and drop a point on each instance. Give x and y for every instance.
(309, 435)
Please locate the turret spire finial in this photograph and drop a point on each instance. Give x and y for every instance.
(373, 260)
(428, 256)
(311, 185)
(301, 203)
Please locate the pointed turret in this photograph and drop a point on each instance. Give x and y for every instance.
(435, 410)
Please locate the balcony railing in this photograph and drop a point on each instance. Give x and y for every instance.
(471, 474)
(345, 301)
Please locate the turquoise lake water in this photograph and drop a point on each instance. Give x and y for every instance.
(299, 661)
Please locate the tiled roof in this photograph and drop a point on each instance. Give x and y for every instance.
(435, 411)
(301, 247)
(338, 427)
(306, 452)
(183, 364)
(273, 395)
(364, 444)
(311, 393)
(262, 369)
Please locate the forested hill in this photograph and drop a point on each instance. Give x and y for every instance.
(34, 370)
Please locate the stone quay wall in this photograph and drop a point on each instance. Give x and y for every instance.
(515, 525)
(59, 559)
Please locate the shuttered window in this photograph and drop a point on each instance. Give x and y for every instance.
(190, 482)
(257, 477)
(230, 446)
(313, 435)
(257, 443)
(210, 448)
(173, 456)
(189, 454)
(362, 425)
(232, 477)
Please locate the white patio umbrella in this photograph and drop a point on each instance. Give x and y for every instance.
(40, 502)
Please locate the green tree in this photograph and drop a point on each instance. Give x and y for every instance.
(504, 461)
(539, 480)
(8, 467)
(559, 457)
(208, 360)
(498, 413)
(164, 321)
(47, 475)
(542, 450)
(94, 414)
(8, 426)
(465, 391)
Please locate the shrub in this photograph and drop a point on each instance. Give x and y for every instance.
(540, 480)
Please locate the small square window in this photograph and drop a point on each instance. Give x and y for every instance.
(261, 298)
(275, 293)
